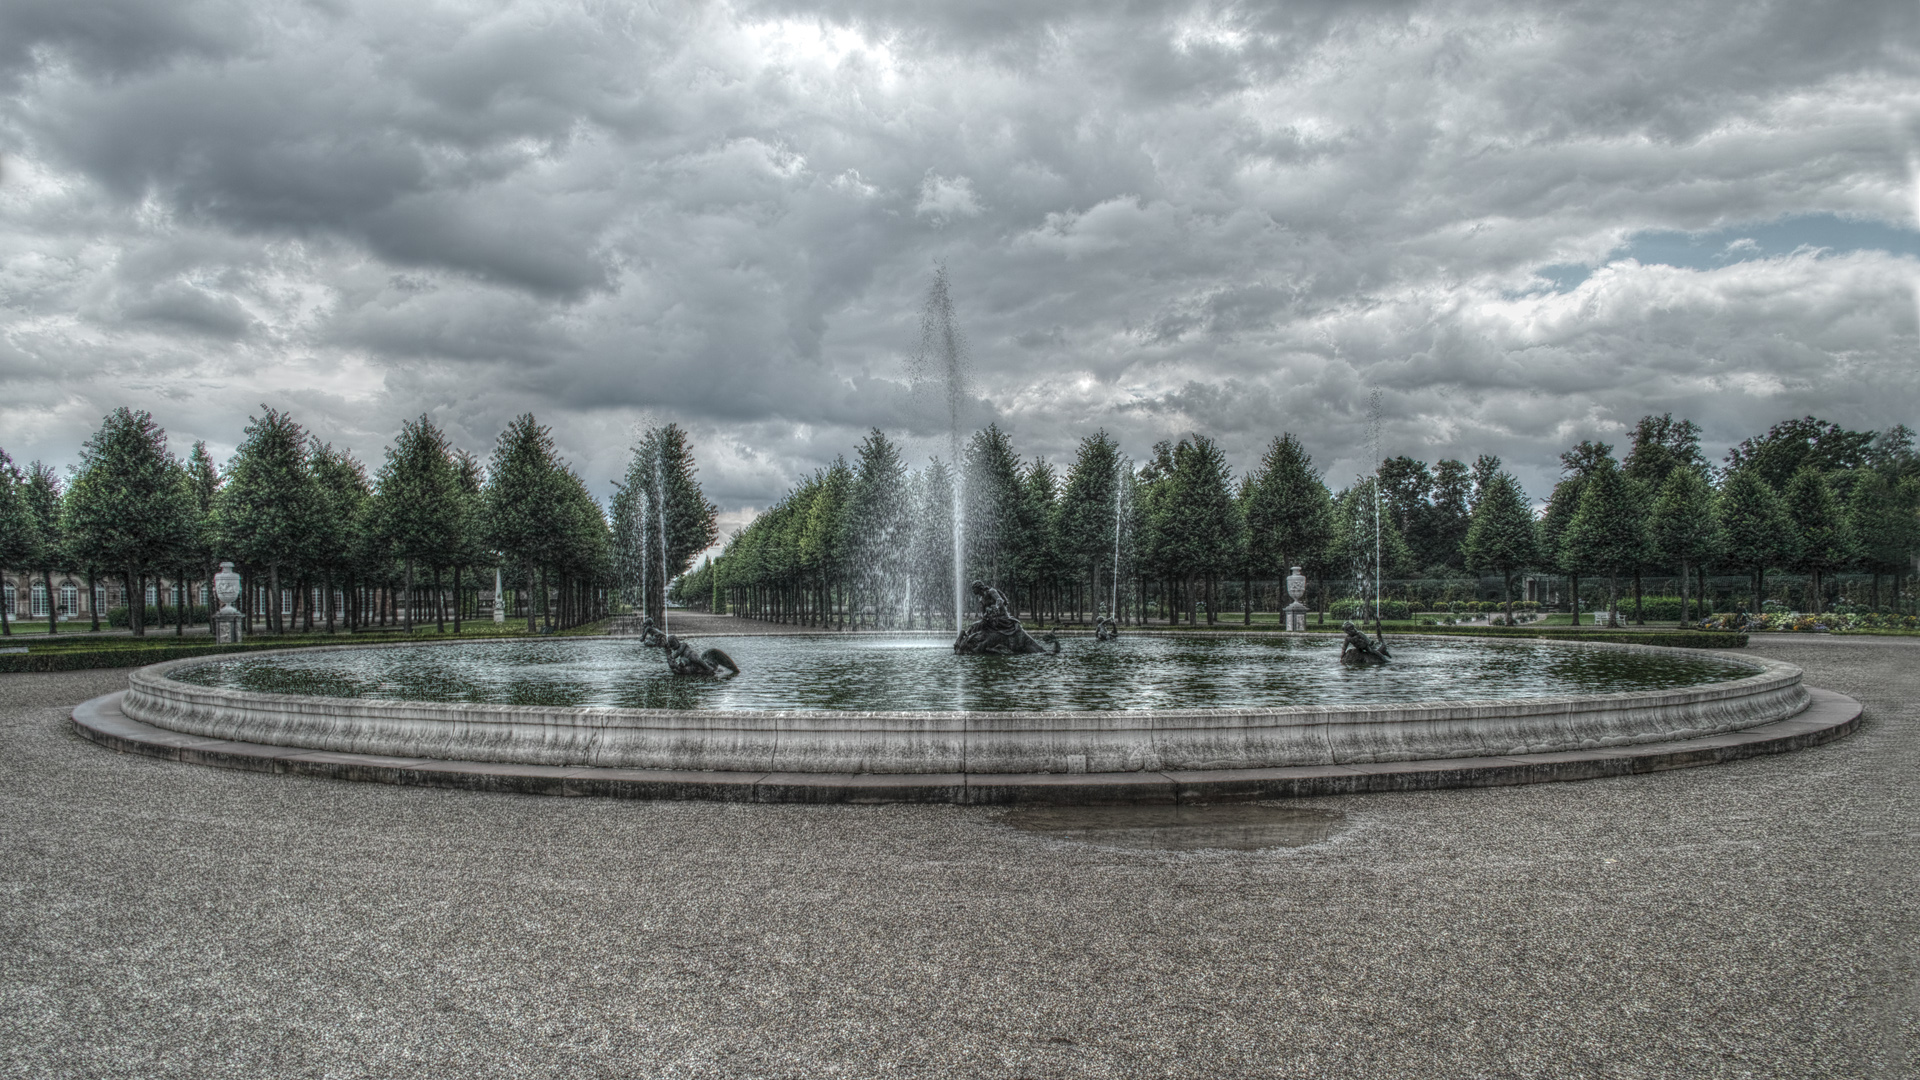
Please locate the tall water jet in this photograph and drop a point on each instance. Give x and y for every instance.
(943, 356)
(660, 493)
(1119, 493)
(640, 543)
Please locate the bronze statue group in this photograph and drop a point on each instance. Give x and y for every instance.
(997, 633)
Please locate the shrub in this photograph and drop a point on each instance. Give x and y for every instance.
(1354, 609)
(122, 616)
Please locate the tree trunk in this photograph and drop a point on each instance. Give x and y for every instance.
(1246, 599)
(1508, 578)
(274, 621)
(1638, 618)
(1613, 599)
(531, 628)
(439, 604)
(1759, 586)
(93, 598)
(546, 600)
(6, 614)
(1573, 596)
(1683, 592)
(180, 616)
(456, 600)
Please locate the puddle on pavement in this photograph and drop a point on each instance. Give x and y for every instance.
(1232, 826)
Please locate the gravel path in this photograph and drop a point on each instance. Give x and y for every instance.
(1749, 920)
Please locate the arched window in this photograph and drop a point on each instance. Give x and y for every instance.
(151, 596)
(69, 600)
(12, 600)
(39, 609)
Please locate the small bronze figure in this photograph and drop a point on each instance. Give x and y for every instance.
(998, 632)
(681, 659)
(1358, 649)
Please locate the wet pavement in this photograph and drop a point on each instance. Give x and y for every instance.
(1755, 919)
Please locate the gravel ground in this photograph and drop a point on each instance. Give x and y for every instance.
(1749, 920)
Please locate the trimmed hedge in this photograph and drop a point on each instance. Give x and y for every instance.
(83, 659)
(80, 654)
(1675, 639)
(156, 616)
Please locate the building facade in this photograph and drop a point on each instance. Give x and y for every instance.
(27, 596)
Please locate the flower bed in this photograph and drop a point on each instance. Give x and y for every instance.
(1794, 622)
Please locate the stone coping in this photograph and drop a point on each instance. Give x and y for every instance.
(1828, 716)
(946, 743)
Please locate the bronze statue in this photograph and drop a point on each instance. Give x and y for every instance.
(1358, 649)
(998, 632)
(1105, 629)
(681, 659)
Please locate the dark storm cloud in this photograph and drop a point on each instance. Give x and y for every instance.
(1527, 224)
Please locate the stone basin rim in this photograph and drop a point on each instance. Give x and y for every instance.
(1767, 673)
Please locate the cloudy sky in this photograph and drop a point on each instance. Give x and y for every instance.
(1525, 224)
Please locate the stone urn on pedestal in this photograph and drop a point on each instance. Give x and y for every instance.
(227, 621)
(1296, 611)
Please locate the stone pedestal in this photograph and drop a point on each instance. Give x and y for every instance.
(1297, 611)
(228, 623)
(499, 599)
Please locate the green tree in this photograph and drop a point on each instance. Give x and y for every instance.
(1792, 444)
(339, 544)
(1501, 538)
(1608, 530)
(822, 554)
(16, 531)
(1040, 553)
(1754, 528)
(469, 551)
(1823, 536)
(416, 514)
(125, 507)
(40, 494)
(519, 495)
(1407, 484)
(665, 505)
(203, 481)
(1659, 445)
(1681, 526)
(879, 527)
(1089, 513)
(1485, 468)
(1196, 520)
(993, 498)
(1575, 465)
(1366, 541)
(1452, 483)
(268, 506)
(1885, 525)
(1289, 511)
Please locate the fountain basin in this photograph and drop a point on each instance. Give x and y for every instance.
(994, 742)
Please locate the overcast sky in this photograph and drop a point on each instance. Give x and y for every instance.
(1526, 224)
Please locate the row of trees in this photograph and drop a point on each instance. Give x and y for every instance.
(416, 539)
(871, 541)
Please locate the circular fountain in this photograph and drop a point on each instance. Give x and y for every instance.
(1152, 716)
